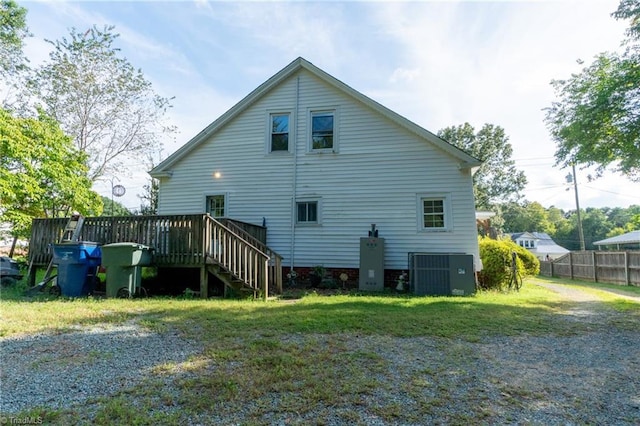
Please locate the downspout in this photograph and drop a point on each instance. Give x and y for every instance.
(295, 177)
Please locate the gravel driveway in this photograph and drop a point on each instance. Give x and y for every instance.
(590, 378)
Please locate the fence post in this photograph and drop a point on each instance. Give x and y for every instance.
(570, 265)
(595, 266)
(626, 268)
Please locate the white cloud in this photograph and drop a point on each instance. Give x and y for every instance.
(404, 74)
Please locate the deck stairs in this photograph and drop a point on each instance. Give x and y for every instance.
(239, 260)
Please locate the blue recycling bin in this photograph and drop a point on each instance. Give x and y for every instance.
(77, 267)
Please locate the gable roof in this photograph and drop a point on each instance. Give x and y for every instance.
(163, 169)
(516, 235)
(545, 243)
(542, 236)
(632, 237)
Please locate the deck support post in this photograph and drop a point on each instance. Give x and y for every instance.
(204, 282)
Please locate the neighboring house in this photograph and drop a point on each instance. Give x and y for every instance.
(540, 244)
(318, 163)
(629, 240)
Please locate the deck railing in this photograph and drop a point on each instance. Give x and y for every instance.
(243, 259)
(275, 262)
(176, 240)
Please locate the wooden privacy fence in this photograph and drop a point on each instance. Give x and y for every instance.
(616, 267)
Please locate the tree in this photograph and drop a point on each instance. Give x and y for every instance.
(41, 173)
(630, 9)
(596, 119)
(526, 217)
(13, 31)
(100, 99)
(595, 226)
(149, 197)
(497, 178)
(114, 208)
(631, 221)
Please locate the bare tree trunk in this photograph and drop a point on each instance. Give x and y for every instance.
(13, 246)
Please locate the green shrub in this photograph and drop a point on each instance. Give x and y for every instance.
(496, 262)
(530, 261)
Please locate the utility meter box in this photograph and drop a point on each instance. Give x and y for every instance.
(371, 264)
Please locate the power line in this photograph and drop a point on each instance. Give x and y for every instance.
(542, 188)
(610, 192)
(553, 196)
(534, 158)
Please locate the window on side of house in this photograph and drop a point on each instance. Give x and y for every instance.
(216, 205)
(307, 212)
(322, 130)
(434, 213)
(279, 132)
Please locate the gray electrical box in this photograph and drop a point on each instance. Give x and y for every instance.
(371, 264)
(447, 274)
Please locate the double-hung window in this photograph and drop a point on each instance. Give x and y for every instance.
(323, 130)
(433, 213)
(216, 205)
(279, 132)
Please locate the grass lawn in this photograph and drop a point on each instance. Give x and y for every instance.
(294, 348)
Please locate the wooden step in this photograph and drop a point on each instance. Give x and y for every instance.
(230, 280)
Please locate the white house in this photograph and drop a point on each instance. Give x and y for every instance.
(318, 163)
(540, 244)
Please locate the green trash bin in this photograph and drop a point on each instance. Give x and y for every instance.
(124, 262)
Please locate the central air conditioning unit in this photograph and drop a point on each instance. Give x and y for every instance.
(446, 274)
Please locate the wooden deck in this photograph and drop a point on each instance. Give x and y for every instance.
(237, 249)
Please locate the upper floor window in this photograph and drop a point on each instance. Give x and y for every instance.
(279, 132)
(215, 205)
(322, 130)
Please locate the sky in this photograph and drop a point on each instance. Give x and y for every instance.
(437, 63)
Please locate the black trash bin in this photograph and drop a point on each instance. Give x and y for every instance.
(77, 267)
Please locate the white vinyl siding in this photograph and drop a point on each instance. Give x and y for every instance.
(375, 178)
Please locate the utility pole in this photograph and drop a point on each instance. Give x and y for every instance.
(575, 187)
